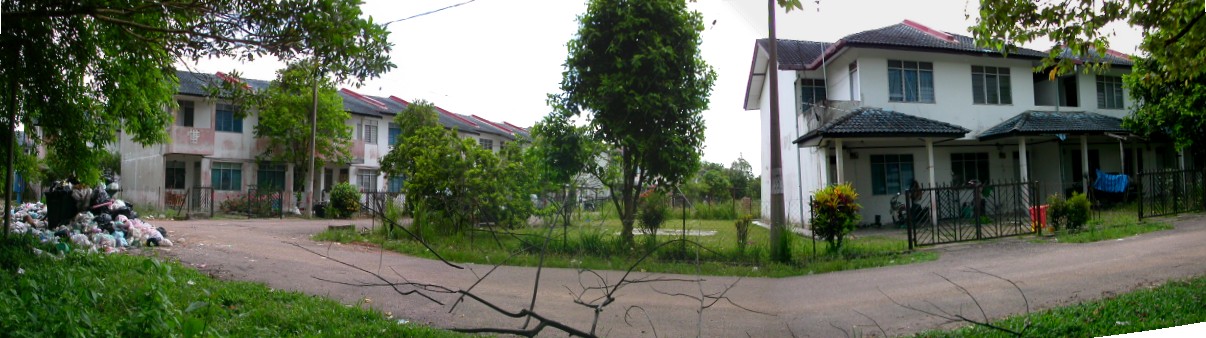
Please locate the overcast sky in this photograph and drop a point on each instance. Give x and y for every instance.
(500, 58)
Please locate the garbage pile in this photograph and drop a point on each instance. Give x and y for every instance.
(88, 219)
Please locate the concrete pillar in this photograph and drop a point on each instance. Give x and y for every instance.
(288, 188)
(929, 152)
(207, 165)
(1025, 171)
(841, 162)
(353, 179)
(249, 174)
(1084, 163)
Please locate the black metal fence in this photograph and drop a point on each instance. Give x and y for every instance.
(1170, 192)
(964, 212)
(377, 201)
(191, 201)
(264, 203)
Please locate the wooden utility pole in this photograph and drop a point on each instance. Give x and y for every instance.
(780, 251)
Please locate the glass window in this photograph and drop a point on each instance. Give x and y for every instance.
(910, 81)
(990, 85)
(370, 131)
(227, 176)
(486, 144)
(969, 166)
(811, 91)
(367, 179)
(185, 116)
(395, 183)
(270, 177)
(225, 119)
(394, 131)
(1109, 92)
(891, 174)
(173, 177)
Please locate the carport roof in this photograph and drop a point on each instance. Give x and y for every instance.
(1033, 123)
(869, 122)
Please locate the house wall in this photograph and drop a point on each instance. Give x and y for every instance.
(789, 108)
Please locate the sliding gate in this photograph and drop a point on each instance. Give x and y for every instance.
(965, 212)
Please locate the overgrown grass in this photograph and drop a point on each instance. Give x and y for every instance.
(1117, 222)
(596, 245)
(95, 295)
(1172, 304)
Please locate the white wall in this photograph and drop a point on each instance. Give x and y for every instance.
(789, 109)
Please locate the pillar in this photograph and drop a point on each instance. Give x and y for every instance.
(841, 162)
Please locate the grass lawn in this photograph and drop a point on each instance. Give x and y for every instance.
(1172, 304)
(97, 295)
(1114, 223)
(594, 244)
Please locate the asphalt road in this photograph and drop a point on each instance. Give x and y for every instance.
(826, 305)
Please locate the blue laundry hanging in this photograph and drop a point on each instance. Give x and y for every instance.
(1110, 182)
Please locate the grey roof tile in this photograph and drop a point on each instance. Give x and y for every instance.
(1030, 123)
(877, 122)
(196, 83)
(795, 54)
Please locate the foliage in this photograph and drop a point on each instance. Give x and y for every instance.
(654, 211)
(1057, 212)
(741, 176)
(90, 295)
(636, 69)
(835, 213)
(1174, 45)
(286, 104)
(1078, 211)
(720, 211)
(77, 72)
(711, 183)
(1115, 223)
(345, 201)
(1172, 304)
(457, 178)
(743, 232)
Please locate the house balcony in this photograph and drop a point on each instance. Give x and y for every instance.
(190, 140)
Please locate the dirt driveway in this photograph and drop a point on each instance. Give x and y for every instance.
(818, 306)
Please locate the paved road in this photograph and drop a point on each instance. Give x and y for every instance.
(1051, 274)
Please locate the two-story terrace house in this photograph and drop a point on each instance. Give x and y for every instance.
(884, 107)
(211, 147)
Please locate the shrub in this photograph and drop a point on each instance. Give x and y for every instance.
(653, 210)
(1057, 212)
(743, 232)
(345, 201)
(1078, 211)
(715, 211)
(255, 204)
(835, 213)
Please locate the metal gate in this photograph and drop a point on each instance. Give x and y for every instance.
(965, 212)
(1170, 192)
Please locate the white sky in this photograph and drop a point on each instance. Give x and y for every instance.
(499, 59)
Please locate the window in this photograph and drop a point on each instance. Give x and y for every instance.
(367, 179)
(328, 179)
(270, 177)
(990, 85)
(969, 166)
(227, 176)
(910, 81)
(891, 174)
(486, 143)
(173, 176)
(185, 116)
(394, 131)
(370, 131)
(225, 119)
(1109, 92)
(811, 91)
(395, 183)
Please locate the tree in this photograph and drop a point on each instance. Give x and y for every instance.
(636, 69)
(286, 104)
(74, 73)
(1163, 81)
(741, 175)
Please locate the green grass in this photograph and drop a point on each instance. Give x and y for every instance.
(596, 245)
(96, 295)
(1172, 304)
(1115, 223)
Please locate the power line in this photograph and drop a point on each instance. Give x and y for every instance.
(428, 12)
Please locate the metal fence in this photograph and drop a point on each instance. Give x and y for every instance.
(190, 202)
(265, 203)
(965, 212)
(377, 201)
(1170, 192)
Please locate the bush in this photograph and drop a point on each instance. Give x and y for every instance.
(653, 211)
(1057, 212)
(255, 204)
(345, 201)
(715, 211)
(835, 213)
(743, 233)
(1078, 211)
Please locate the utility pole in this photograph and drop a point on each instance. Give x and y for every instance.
(780, 251)
(313, 135)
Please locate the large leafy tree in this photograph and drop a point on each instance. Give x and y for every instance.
(73, 73)
(1166, 81)
(286, 104)
(635, 68)
(741, 175)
